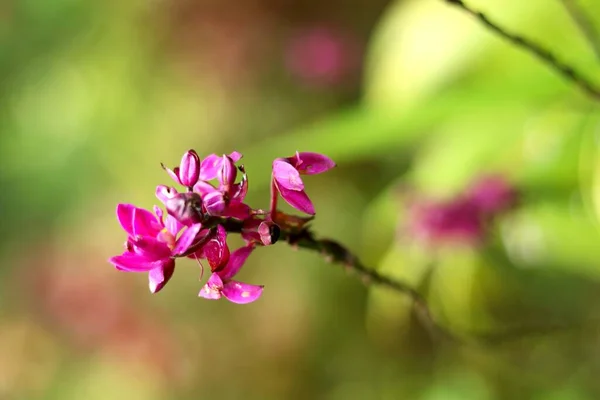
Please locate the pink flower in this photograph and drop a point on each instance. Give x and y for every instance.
(455, 221)
(322, 56)
(492, 194)
(188, 172)
(152, 244)
(287, 181)
(220, 283)
(228, 198)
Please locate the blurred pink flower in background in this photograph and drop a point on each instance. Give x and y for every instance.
(322, 55)
(464, 218)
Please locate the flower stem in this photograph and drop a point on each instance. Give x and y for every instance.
(567, 71)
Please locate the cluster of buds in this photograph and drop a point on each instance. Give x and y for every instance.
(463, 218)
(199, 219)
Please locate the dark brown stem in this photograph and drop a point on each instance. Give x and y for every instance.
(540, 52)
(584, 23)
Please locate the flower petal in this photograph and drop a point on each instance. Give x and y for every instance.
(172, 225)
(237, 210)
(216, 250)
(204, 188)
(125, 217)
(311, 163)
(210, 167)
(145, 223)
(297, 199)
(135, 263)
(150, 248)
(158, 277)
(173, 173)
(241, 293)
(212, 289)
(187, 239)
(165, 193)
(214, 203)
(287, 176)
(235, 156)
(235, 263)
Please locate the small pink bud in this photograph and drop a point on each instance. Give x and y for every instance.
(269, 232)
(227, 173)
(189, 169)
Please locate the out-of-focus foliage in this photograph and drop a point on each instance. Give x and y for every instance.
(411, 98)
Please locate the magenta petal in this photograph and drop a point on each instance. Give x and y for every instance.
(135, 263)
(145, 223)
(214, 203)
(236, 261)
(173, 225)
(210, 167)
(165, 193)
(311, 163)
(173, 173)
(204, 188)
(241, 293)
(298, 200)
(212, 289)
(189, 168)
(236, 210)
(235, 156)
(150, 248)
(287, 176)
(125, 217)
(186, 239)
(216, 250)
(158, 277)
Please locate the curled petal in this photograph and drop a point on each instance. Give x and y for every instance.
(239, 191)
(287, 176)
(311, 163)
(134, 263)
(269, 232)
(189, 169)
(187, 239)
(164, 193)
(235, 263)
(212, 289)
(173, 173)
(297, 199)
(241, 293)
(125, 217)
(158, 277)
(159, 214)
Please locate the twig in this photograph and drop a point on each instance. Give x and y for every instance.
(543, 54)
(584, 23)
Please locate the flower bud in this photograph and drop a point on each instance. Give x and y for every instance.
(189, 169)
(269, 232)
(227, 173)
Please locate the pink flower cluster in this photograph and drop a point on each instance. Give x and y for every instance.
(463, 218)
(195, 225)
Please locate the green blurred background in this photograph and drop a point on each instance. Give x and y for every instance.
(404, 94)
